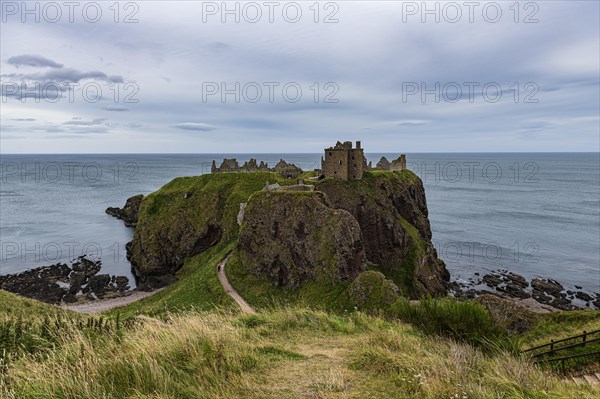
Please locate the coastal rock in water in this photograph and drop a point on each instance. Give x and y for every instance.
(294, 238)
(61, 283)
(129, 213)
(583, 296)
(517, 279)
(547, 286)
(392, 213)
(514, 290)
(98, 285)
(492, 280)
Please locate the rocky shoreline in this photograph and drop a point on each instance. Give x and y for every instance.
(61, 283)
(545, 291)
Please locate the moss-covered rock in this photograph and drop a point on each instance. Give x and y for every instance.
(186, 217)
(295, 237)
(371, 291)
(392, 212)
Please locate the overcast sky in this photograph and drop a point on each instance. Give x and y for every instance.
(314, 75)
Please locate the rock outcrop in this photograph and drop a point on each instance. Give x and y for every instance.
(371, 291)
(129, 213)
(392, 213)
(186, 217)
(295, 237)
(62, 283)
(292, 237)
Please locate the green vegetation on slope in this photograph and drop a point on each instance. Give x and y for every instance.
(262, 293)
(197, 287)
(391, 210)
(560, 325)
(283, 354)
(189, 214)
(14, 307)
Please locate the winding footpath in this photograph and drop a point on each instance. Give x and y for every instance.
(100, 306)
(246, 308)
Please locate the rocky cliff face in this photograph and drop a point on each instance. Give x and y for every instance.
(186, 217)
(296, 237)
(392, 213)
(129, 213)
(331, 234)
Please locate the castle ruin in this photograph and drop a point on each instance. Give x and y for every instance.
(341, 161)
(344, 162)
(287, 170)
(397, 165)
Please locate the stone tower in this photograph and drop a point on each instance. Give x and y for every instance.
(343, 162)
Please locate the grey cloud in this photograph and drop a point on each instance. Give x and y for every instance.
(411, 122)
(219, 46)
(23, 119)
(79, 122)
(115, 108)
(32, 61)
(199, 127)
(68, 75)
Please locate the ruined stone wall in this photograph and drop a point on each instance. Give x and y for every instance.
(356, 161)
(335, 163)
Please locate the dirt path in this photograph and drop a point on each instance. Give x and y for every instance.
(229, 289)
(108, 304)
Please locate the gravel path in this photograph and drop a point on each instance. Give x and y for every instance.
(108, 304)
(246, 308)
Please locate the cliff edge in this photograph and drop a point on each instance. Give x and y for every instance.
(331, 234)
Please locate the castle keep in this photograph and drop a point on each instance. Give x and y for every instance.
(344, 162)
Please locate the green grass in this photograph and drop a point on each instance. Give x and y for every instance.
(284, 354)
(13, 306)
(560, 325)
(460, 320)
(197, 287)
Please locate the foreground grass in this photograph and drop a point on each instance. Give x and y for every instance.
(288, 353)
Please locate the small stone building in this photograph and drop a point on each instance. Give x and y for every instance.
(344, 162)
(397, 165)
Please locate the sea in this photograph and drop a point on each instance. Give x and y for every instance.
(535, 214)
